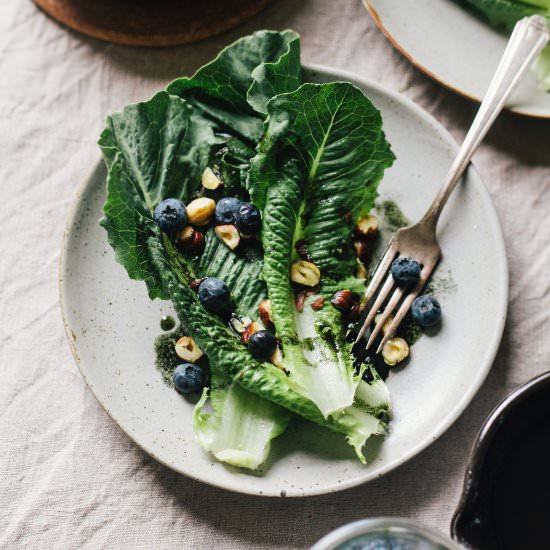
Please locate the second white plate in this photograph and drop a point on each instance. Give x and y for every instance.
(455, 47)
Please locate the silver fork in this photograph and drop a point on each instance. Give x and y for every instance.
(419, 241)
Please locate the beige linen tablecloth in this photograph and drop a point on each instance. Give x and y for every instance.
(69, 477)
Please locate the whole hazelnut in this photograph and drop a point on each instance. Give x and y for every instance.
(342, 300)
(190, 241)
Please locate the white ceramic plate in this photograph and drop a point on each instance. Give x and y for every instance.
(455, 47)
(111, 325)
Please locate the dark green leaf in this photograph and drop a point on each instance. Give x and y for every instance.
(325, 142)
(507, 13)
(219, 90)
(152, 148)
(241, 270)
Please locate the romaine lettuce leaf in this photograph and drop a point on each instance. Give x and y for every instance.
(241, 426)
(357, 422)
(162, 147)
(158, 149)
(230, 93)
(241, 270)
(316, 171)
(138, 178)
(240, 79)
(153, 145)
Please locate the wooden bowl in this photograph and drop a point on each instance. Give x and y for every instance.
(151, 22)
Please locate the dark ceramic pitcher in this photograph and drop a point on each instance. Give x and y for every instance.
(505, 503)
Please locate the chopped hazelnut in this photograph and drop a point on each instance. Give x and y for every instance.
(342, 300)
(361, 272)
(229, 235)
(299, 300)
(190, 241)
(187, 349)
(210, 180)
(305, 273)
(362, 250)
(318, 304)
(394, 351)
(266, 314)
(249, 331)
(239, 324)
(200, 211)
(366, 226)
(277, 358)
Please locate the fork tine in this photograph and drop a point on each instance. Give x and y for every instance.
(391, 305)
(381, 270)
(382, 295)
(406, 305)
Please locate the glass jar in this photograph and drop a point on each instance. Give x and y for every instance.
(385, 533)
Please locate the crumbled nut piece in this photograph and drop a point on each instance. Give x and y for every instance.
(277, 358)
(362, 250)
(249, 331)
(196, 283)
(387, 322)
(305, 273)
(299, 300)
(361, 272)
(229, 235)
(342, 300)
(187, 349)
(394, 351)
(318, 304)
(266, 314)
(367, 226)
(353, 313)
(239, 324)
(190, 241)
(301, 249)
(210, 180)
(200, 211)
(312, 291)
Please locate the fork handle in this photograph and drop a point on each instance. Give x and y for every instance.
(528, 38)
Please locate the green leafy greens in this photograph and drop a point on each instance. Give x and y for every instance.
(506, 13)
(315, 171)
(207, 122)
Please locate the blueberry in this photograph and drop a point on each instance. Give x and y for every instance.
(170, 215)
(405, 271)
(225, 210)
(188, 378)
(262, 344)
(248, 219)
(426, 311)
(214, 295)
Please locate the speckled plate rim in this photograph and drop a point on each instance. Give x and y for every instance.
(485, 362)
(395, 43)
